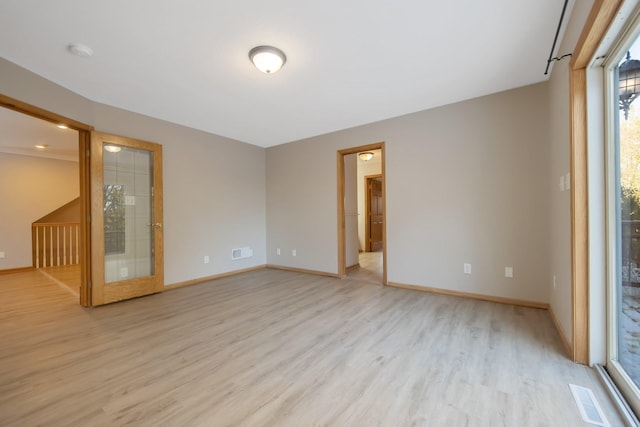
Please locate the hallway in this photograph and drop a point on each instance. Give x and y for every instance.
(370, 269)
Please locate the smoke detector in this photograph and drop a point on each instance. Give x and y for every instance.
(80, 50)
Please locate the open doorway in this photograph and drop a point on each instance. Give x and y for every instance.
(361, 213)
(61, 245)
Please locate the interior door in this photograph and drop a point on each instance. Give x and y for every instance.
(126, 218)
(374, 213)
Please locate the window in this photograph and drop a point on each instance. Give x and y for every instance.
(623, 217)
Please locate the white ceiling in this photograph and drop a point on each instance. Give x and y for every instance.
(19, 134)
(349, 62)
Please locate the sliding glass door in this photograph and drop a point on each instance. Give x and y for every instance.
(623, 213)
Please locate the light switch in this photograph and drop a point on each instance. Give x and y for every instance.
(508, 272)
(467, 269)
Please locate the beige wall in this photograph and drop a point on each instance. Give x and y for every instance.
(560, 202)
(31, 188)
(214, 194)
(470, 182)
(466, 182)
(214, 191)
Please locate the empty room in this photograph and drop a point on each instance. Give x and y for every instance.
(364, 213)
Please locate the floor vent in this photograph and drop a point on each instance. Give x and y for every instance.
(588, 406)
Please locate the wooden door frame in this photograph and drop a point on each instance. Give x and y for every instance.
(84, 139)
(342, 244)
(367, 211)
(600, 18)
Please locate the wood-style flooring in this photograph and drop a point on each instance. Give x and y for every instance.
(276, 348)
(66, 276)
(370, 269)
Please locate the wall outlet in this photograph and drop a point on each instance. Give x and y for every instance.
(294, 252)
(278, 251)
(207, 260)
(124, 272)
(508, 272)
(467, 269)
(1, 254)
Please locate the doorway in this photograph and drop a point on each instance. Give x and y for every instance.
(83, 235)
(137, 275)
(371, 264)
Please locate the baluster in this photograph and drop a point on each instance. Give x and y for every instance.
(57, 245)
(51, 245)
(44, 246)
(77, 244)
(36, 228)
(64, 245)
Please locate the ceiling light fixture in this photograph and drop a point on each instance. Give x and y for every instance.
(80, 50)
(267, 59)
(112, 148)
(61, 126)
(41, 146)
(366, 156)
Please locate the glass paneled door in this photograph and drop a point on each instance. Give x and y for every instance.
(127, 258)
(623, 213)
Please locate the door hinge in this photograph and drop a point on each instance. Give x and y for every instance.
(90, 284)
(88, 153)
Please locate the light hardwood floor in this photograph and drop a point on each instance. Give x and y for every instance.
(66, 276)
(370, 269)
(276, 348)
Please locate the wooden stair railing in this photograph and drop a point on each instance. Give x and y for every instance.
(55, 244)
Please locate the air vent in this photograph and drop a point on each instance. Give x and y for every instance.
(240, 253)
(588, 406)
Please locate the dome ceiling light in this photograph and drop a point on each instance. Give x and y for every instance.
(267, 59)
(366, 156)
(112, 148)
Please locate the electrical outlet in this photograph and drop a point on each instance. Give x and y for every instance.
(1, 254)
(467, 269)
(508, 272)
(278, 251)
(124, 272)
(294, 252)
(207, 260)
